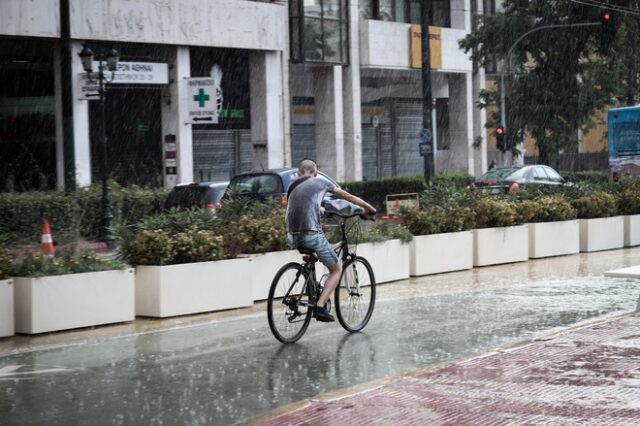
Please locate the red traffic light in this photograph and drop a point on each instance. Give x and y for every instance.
(499, 130)
(606, 16)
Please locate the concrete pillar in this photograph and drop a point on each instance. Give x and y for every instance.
(267, 109)
(81, 141)
(57, 90)
(329, 127)
(174, 119)
(352, 101)
(461, 122)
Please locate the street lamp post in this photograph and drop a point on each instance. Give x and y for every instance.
(110, 61)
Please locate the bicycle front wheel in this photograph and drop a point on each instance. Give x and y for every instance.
(288, 307)
(355, 295)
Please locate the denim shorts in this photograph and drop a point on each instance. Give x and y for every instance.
(317, 242)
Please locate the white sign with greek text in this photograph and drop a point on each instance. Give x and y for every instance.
(202, 100)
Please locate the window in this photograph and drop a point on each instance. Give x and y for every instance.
(319, 31)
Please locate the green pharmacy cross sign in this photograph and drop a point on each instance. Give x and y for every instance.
(202, 100)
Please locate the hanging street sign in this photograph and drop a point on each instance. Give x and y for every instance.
(127, 73)
(202, 100)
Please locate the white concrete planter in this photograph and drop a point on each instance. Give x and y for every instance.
(554, 238)
(7, 327)
(433, 254)
(602, 233)
(632, 230)
(492, 246)
(63, 302)
(165, 291)
(389, 259)
(264, 267)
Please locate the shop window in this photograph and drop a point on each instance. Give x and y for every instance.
(441, 12)
(319, 31)
(27, 116)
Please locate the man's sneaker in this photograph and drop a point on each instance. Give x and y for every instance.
(321, 314)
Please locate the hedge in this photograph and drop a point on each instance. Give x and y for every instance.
(375, 191)
(71, 215)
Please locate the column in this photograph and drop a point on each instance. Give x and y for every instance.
(461, 122)
(329, 127)
(81, 141)
(267, 109)
(352, 101)
(176, 133)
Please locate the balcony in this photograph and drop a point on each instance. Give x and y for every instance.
(388, 45)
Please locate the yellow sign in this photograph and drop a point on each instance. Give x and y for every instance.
(435, 46)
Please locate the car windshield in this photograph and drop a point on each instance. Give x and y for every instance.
(498, 174)
(261, 184)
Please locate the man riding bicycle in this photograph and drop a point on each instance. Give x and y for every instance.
(304, 229)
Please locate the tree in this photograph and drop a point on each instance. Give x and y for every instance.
(560, 77)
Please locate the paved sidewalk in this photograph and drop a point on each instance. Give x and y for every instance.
(587, 376)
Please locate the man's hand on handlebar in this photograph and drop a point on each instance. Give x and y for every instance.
(370, 214)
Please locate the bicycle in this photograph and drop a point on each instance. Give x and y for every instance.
(295, 290)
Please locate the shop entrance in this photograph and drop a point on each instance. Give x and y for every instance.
(134, 148)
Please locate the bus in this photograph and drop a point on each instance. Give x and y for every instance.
(624, 140)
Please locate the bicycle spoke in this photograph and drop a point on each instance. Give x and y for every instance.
(288, 302)
(355, 296)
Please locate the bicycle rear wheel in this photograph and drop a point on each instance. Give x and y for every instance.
(288, 308)
(355, 295)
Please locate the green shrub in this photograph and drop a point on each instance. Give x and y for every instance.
(494, 212)
(254, 234)
(436, 220)
(5, 264)
(597, 204)
(445, 197)
(453, 179)
(630, 201)
(69, 263)
(592, 176)
(197, 246)
(176, 220)
(151, 248)
(549, 208)
(72, 215)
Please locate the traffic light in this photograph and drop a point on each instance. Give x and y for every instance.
(608, 22)
(500, 142)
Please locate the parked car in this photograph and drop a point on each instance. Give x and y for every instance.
(199, 194)
(509, 179)
(266, 184)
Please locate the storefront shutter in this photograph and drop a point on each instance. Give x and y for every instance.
(408, 123)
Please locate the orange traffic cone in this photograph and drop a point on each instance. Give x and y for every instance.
(46, 244)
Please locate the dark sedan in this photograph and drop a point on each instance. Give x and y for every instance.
(509, 179)
(266, 184)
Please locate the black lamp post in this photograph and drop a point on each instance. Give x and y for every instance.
(107, 61)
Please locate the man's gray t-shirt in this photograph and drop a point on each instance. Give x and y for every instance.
(303, 205)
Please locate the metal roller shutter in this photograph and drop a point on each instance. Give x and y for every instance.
(218, 155)
(408, 122)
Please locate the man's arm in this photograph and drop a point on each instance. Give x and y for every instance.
(368, 208)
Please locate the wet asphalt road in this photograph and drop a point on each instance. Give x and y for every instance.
(231, 370)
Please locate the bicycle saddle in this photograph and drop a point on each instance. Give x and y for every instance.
(306, 250)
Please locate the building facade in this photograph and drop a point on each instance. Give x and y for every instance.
(333, 80)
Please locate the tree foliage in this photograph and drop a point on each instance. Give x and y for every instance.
(558, 78)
